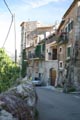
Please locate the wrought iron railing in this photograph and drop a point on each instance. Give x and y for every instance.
(63, 38)
(33, 55)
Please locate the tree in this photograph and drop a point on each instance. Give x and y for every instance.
(9, 71)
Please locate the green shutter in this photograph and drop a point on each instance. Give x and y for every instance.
(68, 51)
(72, 24)
(69, 27)
(38, 50)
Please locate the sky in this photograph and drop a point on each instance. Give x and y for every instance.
(46, 11)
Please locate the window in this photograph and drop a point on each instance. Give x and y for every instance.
(66, 29)
(38, 50)
(72, 24)
(54, 54)
(69, 26)
(60, 64)
(68, 51)
(60, 49)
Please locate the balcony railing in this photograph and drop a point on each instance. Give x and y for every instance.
(52, 56)
(50, 39)
(63, 37)
(34, 56)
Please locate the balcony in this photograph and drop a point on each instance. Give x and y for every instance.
(35, 56)
(52, 56)
(63, 38)
(40, 51)
(51, 39)
(31, 55)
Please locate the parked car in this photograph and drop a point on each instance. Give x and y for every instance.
(37, 81)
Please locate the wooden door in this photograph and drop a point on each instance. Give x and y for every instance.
(52, 76)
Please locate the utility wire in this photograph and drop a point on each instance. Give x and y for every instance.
(13, 19)
(10, 23)
(8, 7)
(8, 32)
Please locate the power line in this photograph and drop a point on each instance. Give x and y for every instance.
(10, 23)
(8, 32)
(8, 7)
(13, 19)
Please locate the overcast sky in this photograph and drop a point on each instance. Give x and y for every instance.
(46, 11)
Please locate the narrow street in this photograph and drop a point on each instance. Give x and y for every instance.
(53, 105)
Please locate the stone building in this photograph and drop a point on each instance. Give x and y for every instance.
(32, 36)
(69, 45)
(51, 61)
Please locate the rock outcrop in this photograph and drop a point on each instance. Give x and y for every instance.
(19, 102)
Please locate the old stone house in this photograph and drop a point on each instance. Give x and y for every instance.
(32, 34)
(51, 61)
(69, 45)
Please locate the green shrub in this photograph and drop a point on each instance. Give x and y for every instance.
(71, 89)
(9, 71)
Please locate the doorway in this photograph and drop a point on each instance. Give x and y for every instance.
(52, 76)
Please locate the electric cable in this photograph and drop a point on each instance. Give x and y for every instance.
(8, 7)
(10, 23)
(13, 19)
(8, 32)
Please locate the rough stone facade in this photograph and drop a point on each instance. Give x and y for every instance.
(71, 25)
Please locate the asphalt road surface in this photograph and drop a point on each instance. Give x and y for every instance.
(53, 105)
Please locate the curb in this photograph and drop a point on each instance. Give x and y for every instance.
(53, 88)
(75, 92)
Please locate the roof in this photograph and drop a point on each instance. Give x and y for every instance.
(28, 22)
(67, 12)
(70, 8)
(22, 23)
(44, 27)
(62, 22)
(40, 30)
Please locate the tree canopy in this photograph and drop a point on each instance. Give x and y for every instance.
(9, 71)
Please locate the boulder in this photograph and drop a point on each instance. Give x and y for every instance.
(15, 106)
(20, 101)
(4, 115)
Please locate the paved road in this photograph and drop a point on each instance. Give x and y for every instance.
(53, 105)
